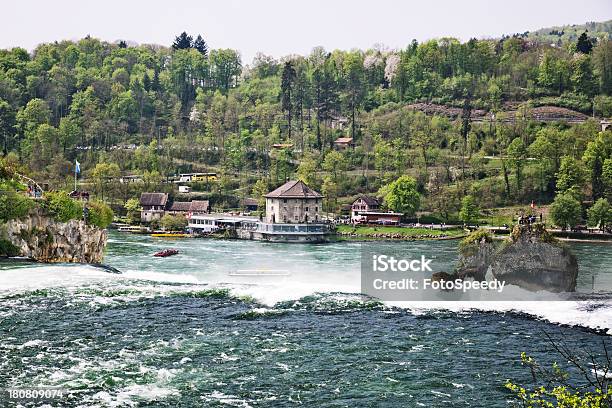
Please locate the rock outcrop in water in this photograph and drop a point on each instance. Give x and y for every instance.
(43, 239)
(531, 259)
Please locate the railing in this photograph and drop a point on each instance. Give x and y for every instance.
(38, 191)
(294, 228)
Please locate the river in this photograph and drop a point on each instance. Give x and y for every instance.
(189, 330)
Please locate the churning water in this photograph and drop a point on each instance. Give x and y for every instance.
(208, 328)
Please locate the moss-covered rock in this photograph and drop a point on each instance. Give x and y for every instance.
(531, 258)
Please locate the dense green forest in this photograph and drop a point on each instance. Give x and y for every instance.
(459, 118)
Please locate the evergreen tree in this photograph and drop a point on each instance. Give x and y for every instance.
(183, 41)
(155, 86)
(200, 45)
(287, 80)
(584, 44)
(146, 82)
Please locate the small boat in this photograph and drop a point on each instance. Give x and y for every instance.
(166, 252)
(258, 272)
(132, 229)
(170, 235)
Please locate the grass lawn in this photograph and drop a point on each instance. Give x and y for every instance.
(407, 232)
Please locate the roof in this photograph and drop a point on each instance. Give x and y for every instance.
(294, 189)
(190, 206)
(369, 200)
(250, 201)
(342, 140)
(150, 199)
(391, 214)
(199, 206)
(282, 145)
(180, 206)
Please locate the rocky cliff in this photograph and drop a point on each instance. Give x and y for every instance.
(531, 259)
(43, 239)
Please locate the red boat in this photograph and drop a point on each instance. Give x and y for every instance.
(166, 252)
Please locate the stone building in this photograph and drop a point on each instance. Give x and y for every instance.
(293, 203)
(153, 206)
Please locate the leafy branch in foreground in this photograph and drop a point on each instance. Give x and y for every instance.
(553, 385)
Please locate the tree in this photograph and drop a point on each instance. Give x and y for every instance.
(173, 222)
(260, 189)
(544, 151)
(330, 190)
(47, 138)
(7, 121)
(582, 77)
(469, 210)
(602, 59)
(200, 45)
(354, 78)
(132, 206)
(402, 196)
(566, 211)
(183, 41)
(596, 153)
(99, 214)
(287, 80)
(600, 214)
(36, 112)
(307, 170)
(518, 154)
(335, 164)
(102, 175)
(570, 177)
(225, 66)
(68, 131)
(606, 176)
(584, 44)
(553, 387)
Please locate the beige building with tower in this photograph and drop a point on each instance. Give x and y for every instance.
(293, 203)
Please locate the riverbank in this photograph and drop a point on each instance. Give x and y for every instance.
(368, 233)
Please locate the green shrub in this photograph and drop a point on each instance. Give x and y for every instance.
(174, 222)
(469, 244)
(61, 207)
(14, 206)
(100, 214)
(7, 248)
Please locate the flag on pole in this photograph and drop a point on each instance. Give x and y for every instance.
(77, 168)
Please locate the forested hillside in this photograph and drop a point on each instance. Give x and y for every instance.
(560, 34)
(461, 118)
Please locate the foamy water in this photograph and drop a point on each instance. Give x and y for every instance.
(269, 291)
(250, 324)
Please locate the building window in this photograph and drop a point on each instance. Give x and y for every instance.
(295, 218)
(306, 208)
(316, 209)
(285, 201)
